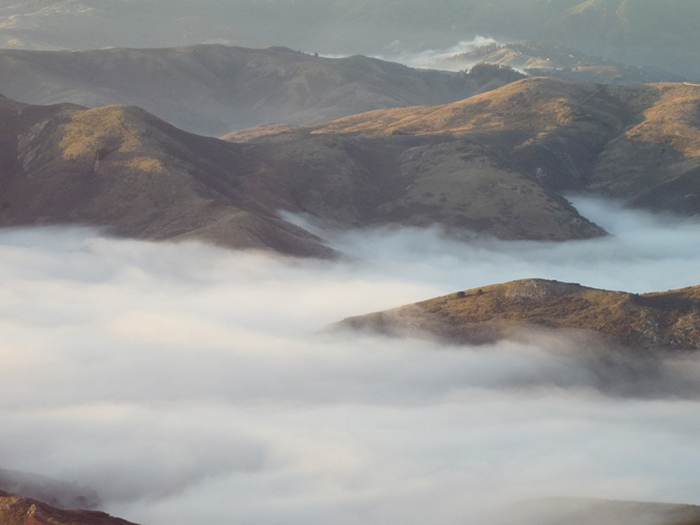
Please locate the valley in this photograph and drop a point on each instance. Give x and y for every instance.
(211, 213)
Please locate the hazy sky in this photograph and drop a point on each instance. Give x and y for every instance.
(662, 33)
(191, 384)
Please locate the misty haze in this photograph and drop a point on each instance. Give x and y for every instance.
(323, 262)
(170, 378)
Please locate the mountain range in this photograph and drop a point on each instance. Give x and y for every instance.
(276, 149)
(493, 164)
(215, 89)
(660, 33)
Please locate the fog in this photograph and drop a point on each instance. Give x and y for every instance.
(434, 58)
(644, 32)
(191, 384)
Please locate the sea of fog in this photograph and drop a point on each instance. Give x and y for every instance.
(434, 58)
(191, 384)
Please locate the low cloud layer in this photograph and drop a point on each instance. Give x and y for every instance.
(434, 58)
(189, 384)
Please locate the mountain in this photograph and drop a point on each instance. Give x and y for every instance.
(637, 143)
(214, 89)
(660, 33)
(15, 510)
(123, 169)
(347, 180)
(538, 60)
(666, 320)
(493, 164)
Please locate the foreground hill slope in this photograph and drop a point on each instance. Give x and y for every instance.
(121, 168)
(213, 89)
(15, 510)
(667, 320)
(639, 143)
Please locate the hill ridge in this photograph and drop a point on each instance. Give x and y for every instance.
(652, 321)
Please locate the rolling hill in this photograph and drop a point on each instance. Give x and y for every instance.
(660, 33)
(667, 320)
(636, 143)
(123, 169)
(493, 164)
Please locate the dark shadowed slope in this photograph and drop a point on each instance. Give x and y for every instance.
(350, 180)
(15, 510)
(213, 89)
(667, 320)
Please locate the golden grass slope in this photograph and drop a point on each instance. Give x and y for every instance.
(639, 143)
(665, 320)
(121, 168)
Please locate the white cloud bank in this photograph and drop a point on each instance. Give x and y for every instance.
(434, 58)
(189, 384)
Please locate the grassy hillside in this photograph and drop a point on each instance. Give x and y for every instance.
(668, 320)
(494, 164)
(121, 168)
(124, 169)
(639, 143)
